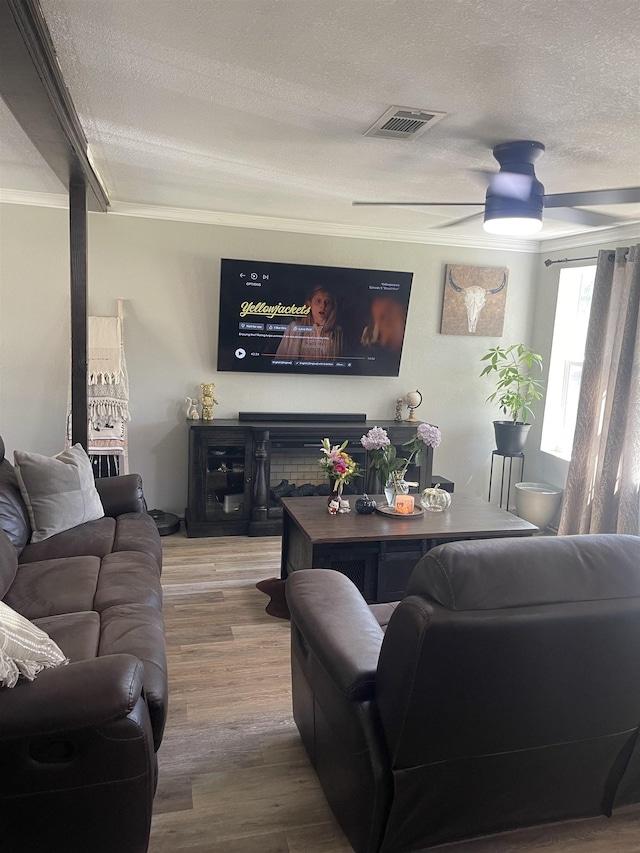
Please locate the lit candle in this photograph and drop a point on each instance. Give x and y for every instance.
(404, 504)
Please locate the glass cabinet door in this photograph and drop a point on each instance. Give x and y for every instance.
(227, 480)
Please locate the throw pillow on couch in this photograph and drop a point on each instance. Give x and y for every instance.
(59, 491)
(25, 649)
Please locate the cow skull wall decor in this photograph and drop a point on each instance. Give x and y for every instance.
(474, 300)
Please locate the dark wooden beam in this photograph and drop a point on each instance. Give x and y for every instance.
(32, 86)
(78, 241)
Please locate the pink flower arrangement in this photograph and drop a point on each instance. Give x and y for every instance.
(337, 464)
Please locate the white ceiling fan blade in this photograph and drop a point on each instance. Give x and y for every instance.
(581, 217)
(624, 195)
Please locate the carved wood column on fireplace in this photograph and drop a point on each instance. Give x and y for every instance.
(261, 491)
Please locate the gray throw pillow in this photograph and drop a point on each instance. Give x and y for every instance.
(24, 648)
(59, 491)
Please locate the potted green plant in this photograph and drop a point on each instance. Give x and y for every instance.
(516, 392)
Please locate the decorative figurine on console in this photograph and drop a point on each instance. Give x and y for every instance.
(399, 402)
(192, 411)
(413, 399)
(208, 400)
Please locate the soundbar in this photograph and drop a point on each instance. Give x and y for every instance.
(302, 417)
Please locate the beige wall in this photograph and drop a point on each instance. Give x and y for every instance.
(167, 274)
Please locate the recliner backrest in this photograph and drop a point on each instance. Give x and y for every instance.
(509, 681)
(500, 573)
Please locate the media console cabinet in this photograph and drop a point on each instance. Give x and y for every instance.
(230, 475)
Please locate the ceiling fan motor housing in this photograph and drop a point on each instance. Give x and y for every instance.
(516, 158)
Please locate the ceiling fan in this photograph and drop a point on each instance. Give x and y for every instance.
(515, 198)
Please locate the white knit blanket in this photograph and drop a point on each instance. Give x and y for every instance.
(109, 403)
(104, 349)
(108, 385)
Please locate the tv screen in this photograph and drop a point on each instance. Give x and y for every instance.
(298, 318)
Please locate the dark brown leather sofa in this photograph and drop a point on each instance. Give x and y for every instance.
(505, 691)
(78, 745)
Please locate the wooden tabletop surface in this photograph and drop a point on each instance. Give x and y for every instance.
(467, 516)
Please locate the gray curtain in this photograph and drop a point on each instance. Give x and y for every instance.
(602, 494)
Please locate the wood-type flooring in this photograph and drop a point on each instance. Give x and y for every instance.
(234, 777)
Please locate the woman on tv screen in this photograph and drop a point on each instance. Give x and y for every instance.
(316, 335)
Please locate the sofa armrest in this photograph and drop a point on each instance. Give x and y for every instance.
(90, 693)
(338, 628)
(121, 494)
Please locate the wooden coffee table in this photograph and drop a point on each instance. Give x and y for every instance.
(377, 552)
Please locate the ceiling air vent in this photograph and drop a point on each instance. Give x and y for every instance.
(404, 123)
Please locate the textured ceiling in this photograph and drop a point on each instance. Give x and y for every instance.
(258, 107)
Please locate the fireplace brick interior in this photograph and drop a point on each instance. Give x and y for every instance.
(297, 467)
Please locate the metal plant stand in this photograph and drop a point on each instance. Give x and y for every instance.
(504, 457)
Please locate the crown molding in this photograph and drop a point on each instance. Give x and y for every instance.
(597, 236)
(325, 229)
(34, 199)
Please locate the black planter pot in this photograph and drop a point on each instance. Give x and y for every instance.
(510, 437)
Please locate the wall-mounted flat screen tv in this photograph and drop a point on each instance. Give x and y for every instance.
(299, 318)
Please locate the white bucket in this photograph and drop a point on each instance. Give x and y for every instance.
(538, 503)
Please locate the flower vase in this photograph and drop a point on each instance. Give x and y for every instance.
(333, 503)
(395, 485)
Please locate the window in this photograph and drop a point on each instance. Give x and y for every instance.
(575, 290)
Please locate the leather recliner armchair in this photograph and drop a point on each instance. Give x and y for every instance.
(505, 691)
